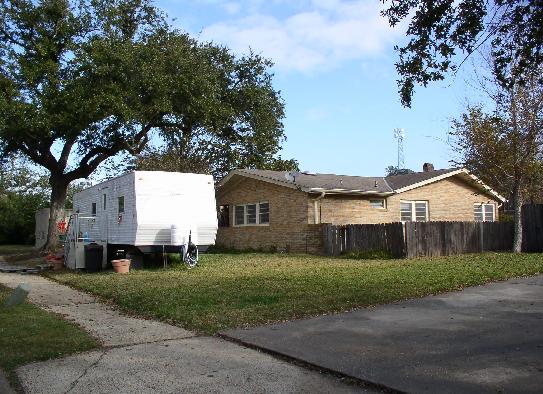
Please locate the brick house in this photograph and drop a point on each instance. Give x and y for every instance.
(264, 209)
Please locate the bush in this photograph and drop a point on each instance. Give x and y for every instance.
(368, 255)
(17, 217)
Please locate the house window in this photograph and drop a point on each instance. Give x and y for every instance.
(93, 209)
(121, 204)
(239, 219)
(378, 203)
(414, 211)
(252, 214)
(264, 213)
(104, 202)
(223, 215)
(484, 212)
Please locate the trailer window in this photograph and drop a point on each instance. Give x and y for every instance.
(93, 209)
(104, 202)
(223, 215)
(121, 204)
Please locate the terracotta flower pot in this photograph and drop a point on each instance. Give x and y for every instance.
(121, 266)
(57, 265)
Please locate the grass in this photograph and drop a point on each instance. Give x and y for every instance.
(28, 333)
(6, 250)
(227, 291)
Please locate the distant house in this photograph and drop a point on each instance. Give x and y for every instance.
(264, 209)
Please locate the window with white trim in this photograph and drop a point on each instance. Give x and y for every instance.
(253, 214)
(378, 203)
(484, 212)
(414, 211)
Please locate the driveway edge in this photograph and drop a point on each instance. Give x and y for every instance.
(347, 379)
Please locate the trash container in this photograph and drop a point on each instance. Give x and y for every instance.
(94, 254)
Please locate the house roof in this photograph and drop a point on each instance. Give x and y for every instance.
(326, 182)
(401, 181)
(347, 184)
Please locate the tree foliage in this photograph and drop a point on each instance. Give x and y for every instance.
(22, 191)
(82, 81)
(441, 31)
(394, 170)
(217, 163)
(505, 147)
(241, 129)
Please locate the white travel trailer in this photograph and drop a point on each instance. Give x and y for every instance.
(143, 211)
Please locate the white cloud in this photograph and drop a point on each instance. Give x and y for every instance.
(320, 35)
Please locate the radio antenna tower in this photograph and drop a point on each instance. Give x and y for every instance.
(399, 134)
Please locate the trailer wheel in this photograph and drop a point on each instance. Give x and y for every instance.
(192, 256)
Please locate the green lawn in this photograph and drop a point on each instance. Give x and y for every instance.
(228, 290)
(28, 333)
(15, 249)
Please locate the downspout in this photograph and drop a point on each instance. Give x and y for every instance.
(316, 207)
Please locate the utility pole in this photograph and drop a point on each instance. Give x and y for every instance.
(399, 134)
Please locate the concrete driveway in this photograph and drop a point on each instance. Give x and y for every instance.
(482, 339)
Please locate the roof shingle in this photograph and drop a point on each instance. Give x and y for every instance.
(401, 181)
(326, 181)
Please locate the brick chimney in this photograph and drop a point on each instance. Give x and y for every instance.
(427, 167)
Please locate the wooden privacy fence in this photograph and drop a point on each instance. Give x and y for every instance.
(532, 228)
(449, 238)
(386, 237)
(415, 239)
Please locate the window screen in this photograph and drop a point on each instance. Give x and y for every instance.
(484, 212)
(250, 215)
(406, 213)
(104, 202)
(420, 212)
(264, 212)
(414, 211)
(377, 203)
(93, 209)
(240, 215)
(121, 204)
(478, 212)
(489, 212)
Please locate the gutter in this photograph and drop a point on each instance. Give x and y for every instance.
(348, 191)
(316, 215)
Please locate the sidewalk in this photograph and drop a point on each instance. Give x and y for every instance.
(146, 356)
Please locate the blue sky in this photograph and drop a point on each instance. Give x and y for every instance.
(334, 64)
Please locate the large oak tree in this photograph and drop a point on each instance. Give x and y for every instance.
(443, 33)
(82, 81)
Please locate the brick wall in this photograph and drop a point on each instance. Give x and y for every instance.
(450, 199)
(292, 212)
(288, 228)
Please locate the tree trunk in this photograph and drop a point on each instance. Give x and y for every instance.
(59, 191)
(517, 217)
